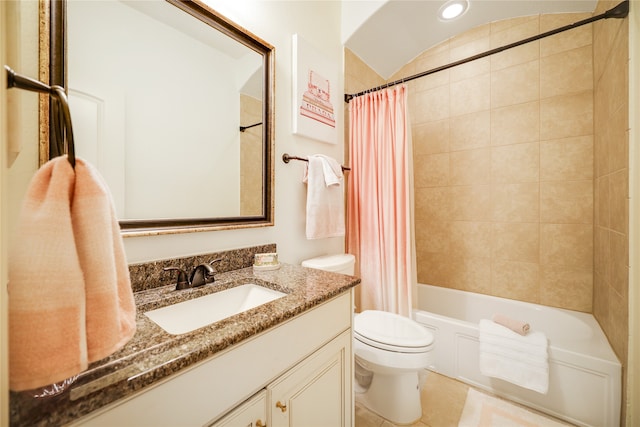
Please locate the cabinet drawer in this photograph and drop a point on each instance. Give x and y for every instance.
(252, 413)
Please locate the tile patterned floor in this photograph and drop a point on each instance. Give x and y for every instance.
(443, 400)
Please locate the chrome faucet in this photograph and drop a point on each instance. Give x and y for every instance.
(201, 275)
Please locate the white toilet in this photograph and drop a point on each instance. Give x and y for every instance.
(390, 351)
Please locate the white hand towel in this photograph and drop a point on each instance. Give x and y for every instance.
(521, 360)
(325, 198)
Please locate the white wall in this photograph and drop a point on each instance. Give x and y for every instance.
(318, 22)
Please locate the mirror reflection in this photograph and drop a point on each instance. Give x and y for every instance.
(173, 112)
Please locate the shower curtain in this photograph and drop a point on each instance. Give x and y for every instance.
(379, 202)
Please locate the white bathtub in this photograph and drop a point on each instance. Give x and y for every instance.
(584, 373)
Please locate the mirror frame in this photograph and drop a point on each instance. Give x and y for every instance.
(53, 65)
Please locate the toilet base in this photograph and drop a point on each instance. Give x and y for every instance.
(395, 397)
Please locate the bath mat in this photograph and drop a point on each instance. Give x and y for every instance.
(481, 410)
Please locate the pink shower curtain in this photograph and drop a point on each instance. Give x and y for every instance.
(380, 207)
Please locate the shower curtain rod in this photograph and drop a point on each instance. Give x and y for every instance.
(620, 11)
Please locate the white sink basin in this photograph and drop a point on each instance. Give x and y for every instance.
(190, 315)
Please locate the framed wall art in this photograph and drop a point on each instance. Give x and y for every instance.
(315, 95)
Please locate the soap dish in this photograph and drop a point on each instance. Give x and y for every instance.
(266, 267)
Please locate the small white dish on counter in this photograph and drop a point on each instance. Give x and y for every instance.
(266, 267)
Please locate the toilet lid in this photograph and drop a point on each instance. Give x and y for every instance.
(391, 331)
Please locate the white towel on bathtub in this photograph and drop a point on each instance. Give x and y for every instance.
(507, 355)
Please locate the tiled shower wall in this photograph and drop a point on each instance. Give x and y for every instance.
(503, 155)
(521, 165)
(611, 129)
(250, 156)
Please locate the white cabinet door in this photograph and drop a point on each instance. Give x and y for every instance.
(252, 413)
(316, 392)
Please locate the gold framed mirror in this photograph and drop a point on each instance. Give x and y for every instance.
(172, 102)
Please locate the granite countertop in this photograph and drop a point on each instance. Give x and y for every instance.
(153, 354)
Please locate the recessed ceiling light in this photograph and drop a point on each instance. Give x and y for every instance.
(453, 9)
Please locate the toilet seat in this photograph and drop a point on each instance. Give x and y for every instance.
(391, 332)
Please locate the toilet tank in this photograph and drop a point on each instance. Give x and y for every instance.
(342, 263)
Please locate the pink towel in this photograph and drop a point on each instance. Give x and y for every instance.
(325, 197)
(515, 325)
(70, 297)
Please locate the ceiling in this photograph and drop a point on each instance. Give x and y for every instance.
(399, 30)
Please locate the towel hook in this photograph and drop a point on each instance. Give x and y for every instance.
(15, 80)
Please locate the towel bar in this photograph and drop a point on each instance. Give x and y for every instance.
(15, 80)
(286, 158)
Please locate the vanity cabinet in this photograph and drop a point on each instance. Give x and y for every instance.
(301, 370)
(252, 413)
(315, 392)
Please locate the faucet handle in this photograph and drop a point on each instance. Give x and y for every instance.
(201, 275)
(183, 281)
(210, 271)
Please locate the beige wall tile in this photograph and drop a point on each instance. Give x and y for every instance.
(566, 287)
(566, 72)
(619, 321)
(428, 61)
(470, 239)
(433, 204)
(514, 56)
(430, 105)
(515, 85)
(431, 137)
(435, 268)
(602, 251)
(471, 274)
(433, 236)
(470, 167)
(601, 302)
(567, 245)
(505, 24)
(470, 203)
(619, 201)
(470, 95)
(577, 37)
(617, 142)
(515, 202)
(433, 170)
(566, 202)
(525, 53)
(515, 163)
(515, 280)
(476, 33)
(515, 124)
(470, 131)
(566, 159)
(567, 115)
(619, 263)
(470, 69)
(604, 33)
(515, 241)
(600, 152)
(473, 46)
(603, 208)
